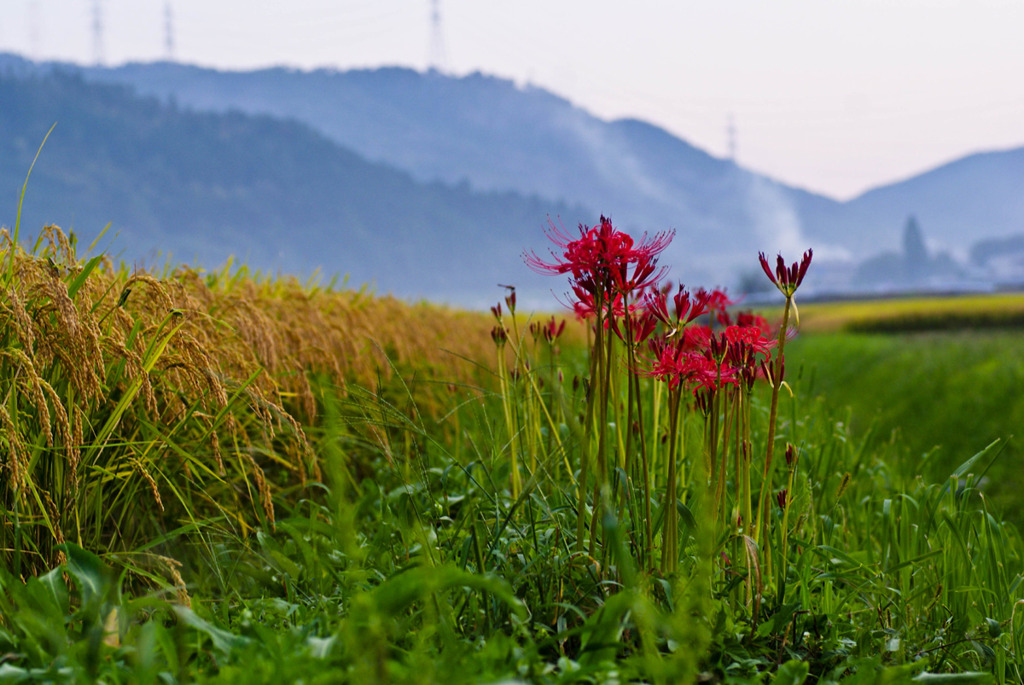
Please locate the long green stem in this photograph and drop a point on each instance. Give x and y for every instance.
(645, 477)
(773, 413)
(670, 535)
(604, 397)
(592, 391)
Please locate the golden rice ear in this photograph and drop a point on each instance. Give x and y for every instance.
(148, 477)
(31, 385)
(71, 446)
(54, 513)
(173, 567)
(23, 325)
(17, 459)
(149, 294)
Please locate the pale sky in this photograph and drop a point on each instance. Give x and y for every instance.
(836, 96)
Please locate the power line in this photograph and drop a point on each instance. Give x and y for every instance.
(438, 59)
(168, 32)
(97, 32)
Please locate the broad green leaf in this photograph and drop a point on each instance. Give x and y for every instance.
(792, 673)
(91, 575)
(396, 593)
(221, 639)
(54, 583)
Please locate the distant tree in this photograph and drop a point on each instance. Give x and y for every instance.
(915, 260)
(913, 241)
(915, 253)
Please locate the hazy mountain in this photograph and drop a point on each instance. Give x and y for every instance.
(499, 136)
(493, 135)
(278, 194)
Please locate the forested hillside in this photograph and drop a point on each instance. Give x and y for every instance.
(203, 186)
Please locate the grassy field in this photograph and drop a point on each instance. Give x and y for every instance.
(939, 376)
(938, 396)
(219, 477)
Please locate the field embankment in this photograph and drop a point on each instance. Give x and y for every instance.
(910, 314)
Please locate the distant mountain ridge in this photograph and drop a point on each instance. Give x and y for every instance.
(494, 135)
(488, 134)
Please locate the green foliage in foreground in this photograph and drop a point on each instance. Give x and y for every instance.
(431, 572)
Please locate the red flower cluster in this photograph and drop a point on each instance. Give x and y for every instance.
(604, 262)
(613, 275)
(708, 361)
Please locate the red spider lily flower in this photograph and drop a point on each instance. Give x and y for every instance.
(586, 308)
(686, 307)
(710, 375)
(583, 310)
(657, 344)
(550, 330)
(646, 274)
(790, 454)
(718, 345)
(510, 299)
(751, 320)
(717, 303)
(496, 311)
(499, 335)
(656, 302)
(604, 260)
(768, 372)
(636, 327)
(671, 364)
(748, 349)
(787, 280)
(696, 338)
(753, 337)
(699, 303)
